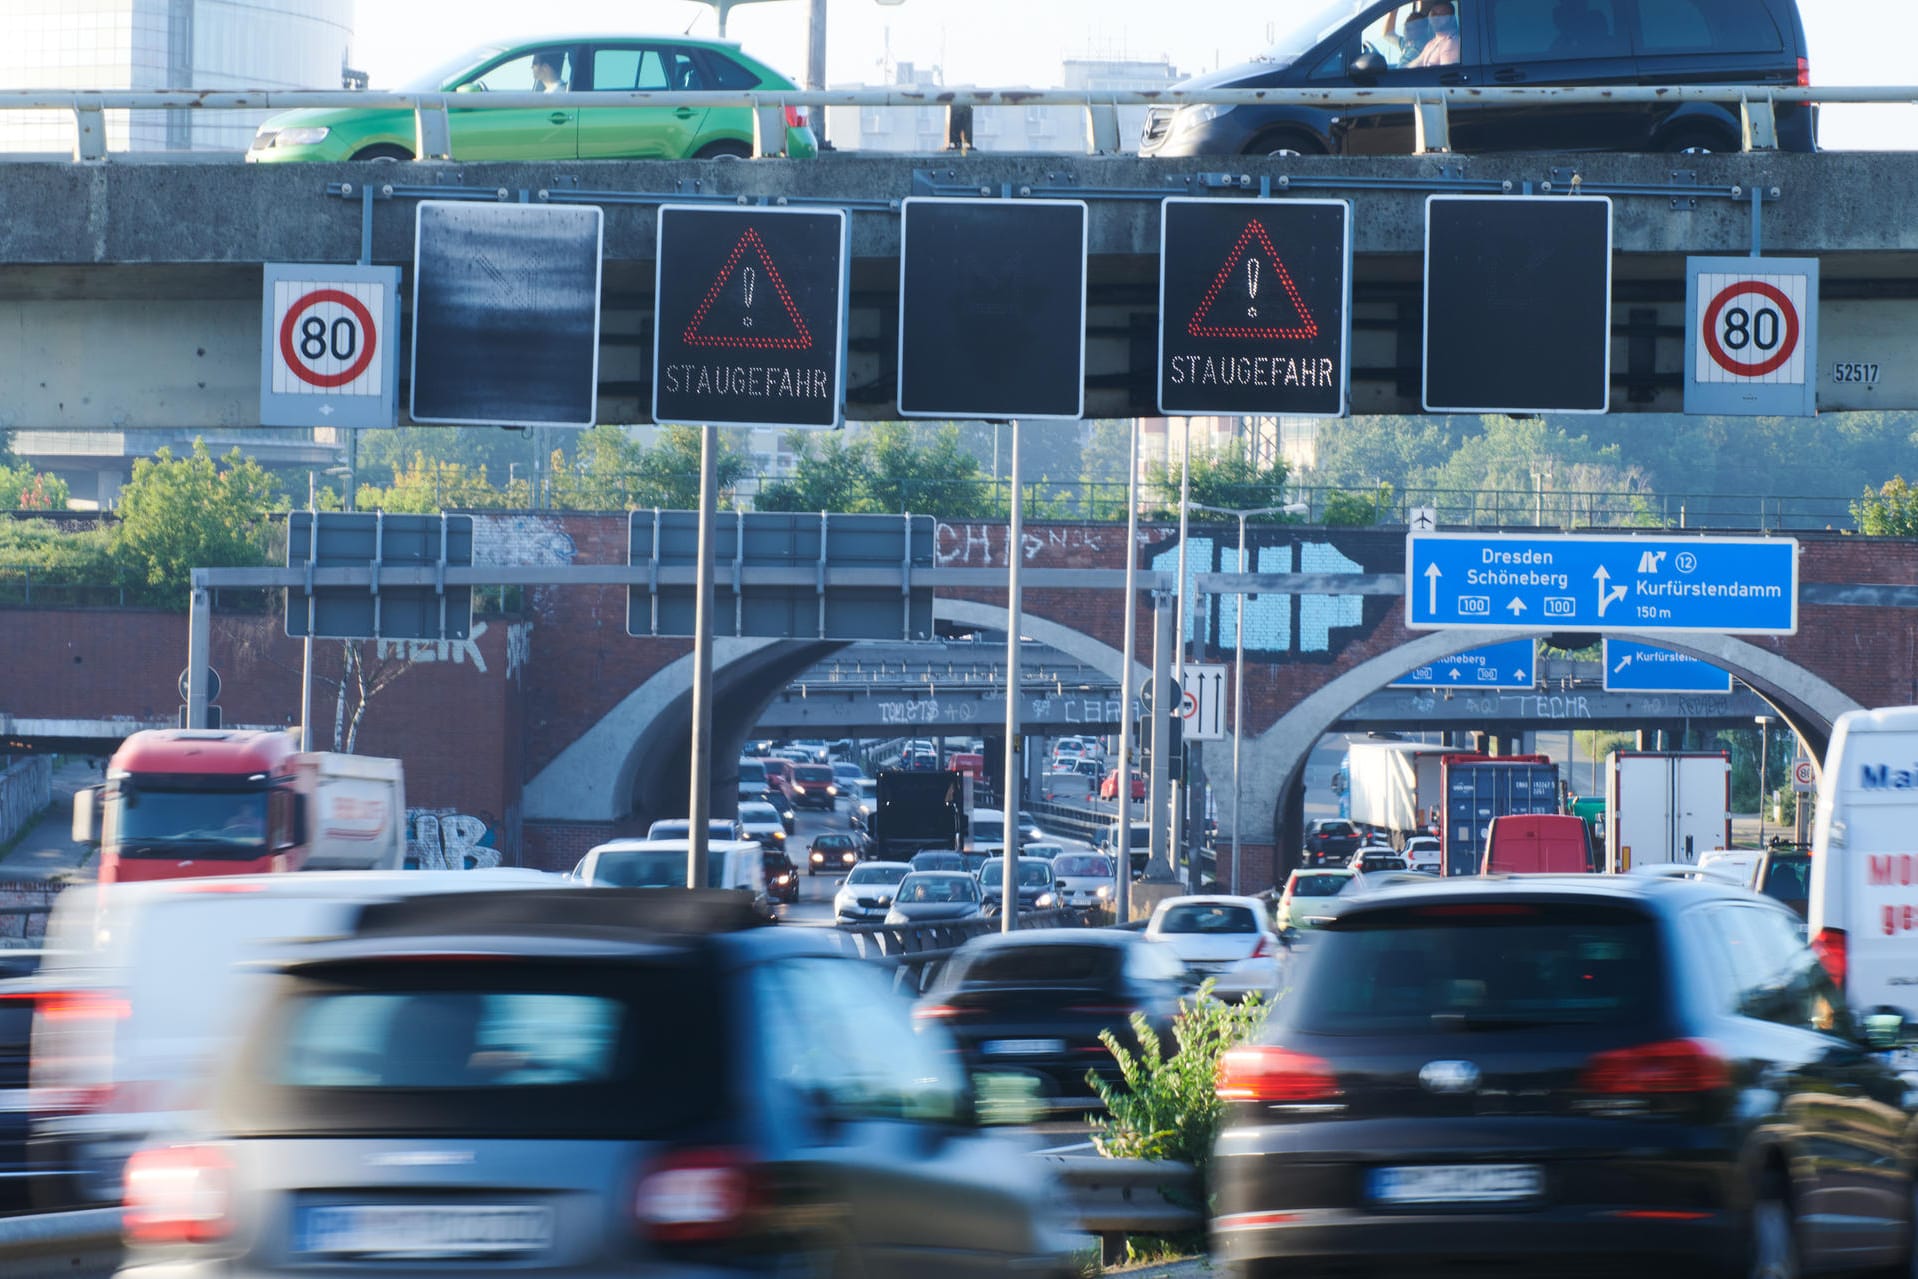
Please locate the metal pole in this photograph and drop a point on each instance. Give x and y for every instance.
(1015, 557)
(199, 639)
(1764, 743)
(1128, 689)
(699, 803)
(1238, 709)
(1176, 705)
(1160, 866)
(306, 645)
(816, 59)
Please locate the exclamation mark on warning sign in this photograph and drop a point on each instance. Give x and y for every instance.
(1252, 287)
(747, 276)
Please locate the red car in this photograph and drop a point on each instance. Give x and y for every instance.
(1109, 788)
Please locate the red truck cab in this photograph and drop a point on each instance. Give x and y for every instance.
(1537, 844)
(184, 803)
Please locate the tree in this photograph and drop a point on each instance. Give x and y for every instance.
(24, 489)
(1357, 510)
(425, 487)
(893, 467)
(179, 514)
(1228, 476)
(830, 474)
(611, 471)
(1891, 511)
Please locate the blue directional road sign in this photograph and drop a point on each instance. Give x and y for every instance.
(1741, 586)
(1513, 664)
(1631, 667)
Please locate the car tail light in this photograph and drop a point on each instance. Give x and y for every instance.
(1259, 949)
(695, 1196)
(1834, 953)
(1671, 1066)
(1804, 73)
(176, 1194)
(941, 1012)
(1266, 1073)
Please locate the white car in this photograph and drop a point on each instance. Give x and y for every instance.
(863, 800)
(1424, 853)
(1084, 879)
(1311, 896)
(1225, 939)
(866, 895)
(1734, 864)
(760, 820)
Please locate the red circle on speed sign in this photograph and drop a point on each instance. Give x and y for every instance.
(1803, 774)
(290, 350)
(1787, 347)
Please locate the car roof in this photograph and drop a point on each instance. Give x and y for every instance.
(1210, 899)
(1110, 937)
(1661, 892)
(884, 865)
(936, 874)
(668, 845)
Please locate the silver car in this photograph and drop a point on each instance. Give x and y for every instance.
(926, 897)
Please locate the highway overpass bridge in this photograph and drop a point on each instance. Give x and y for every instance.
(551, 727)
(130, 294)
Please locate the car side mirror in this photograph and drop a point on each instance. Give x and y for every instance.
(1886, 1028)
(1367, 68)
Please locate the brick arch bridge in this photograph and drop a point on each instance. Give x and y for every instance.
(552, 728)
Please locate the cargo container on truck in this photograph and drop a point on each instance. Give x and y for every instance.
(1666, 807)
(187, 803)
(1479, 788)
(1395, 788)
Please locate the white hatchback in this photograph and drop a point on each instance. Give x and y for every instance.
(1225, 939)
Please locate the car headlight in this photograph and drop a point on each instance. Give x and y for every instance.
(1105, 890)
(818, 856)
(832, 790)
(780, 835)
(885, 901)
(849, 856)
(303, 137)
(1043, 901)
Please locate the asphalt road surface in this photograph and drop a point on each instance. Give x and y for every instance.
(814, 906)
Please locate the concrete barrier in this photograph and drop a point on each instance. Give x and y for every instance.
(61, 1245)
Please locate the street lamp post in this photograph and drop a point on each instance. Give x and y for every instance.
(1764, 744)
(1238, 645)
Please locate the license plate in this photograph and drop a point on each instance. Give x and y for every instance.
(1457, 1184)
(1023, 1047)
(426, 1231)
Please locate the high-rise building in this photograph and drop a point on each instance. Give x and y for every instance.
(165, 44)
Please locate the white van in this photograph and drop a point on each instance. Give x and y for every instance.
(146, 986)
(1863, 918)
(739, 864)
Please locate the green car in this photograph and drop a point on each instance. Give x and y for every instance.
(580, 64)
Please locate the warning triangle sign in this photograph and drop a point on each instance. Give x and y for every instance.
(749, 306)
(1253, 296)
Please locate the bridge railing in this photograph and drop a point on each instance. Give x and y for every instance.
(1756, 105)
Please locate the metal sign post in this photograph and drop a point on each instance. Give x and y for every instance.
(1015, 558)
(1128, 687)
(699, 805)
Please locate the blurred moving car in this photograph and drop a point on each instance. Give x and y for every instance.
(1225, 939)
(1029, 828)
(145, 987)
(16, 1037)
(737, 865)
(867, 895)
(1037, 890)
(606, 1083)
(934, 897)
(760, 820)
(782, 877)
(814, 786)
(1035, 1002)
(1084, 880)
(847, 776)
(1551, 1072)
(681, 828)
(1330, 841)
(832, 852)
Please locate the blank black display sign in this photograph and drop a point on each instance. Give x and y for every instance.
(1518, 304)
(992, 308)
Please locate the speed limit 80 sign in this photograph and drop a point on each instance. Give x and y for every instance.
(329, 345)
(1751, 336)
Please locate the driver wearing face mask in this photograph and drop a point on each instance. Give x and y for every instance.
(1442, 50)
(1402, 48)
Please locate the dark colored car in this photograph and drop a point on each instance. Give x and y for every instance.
(833, 853)
(1540, 1074)
(782, 877)
(1379, 44)
(1035, 1002)
(926, 897)
(584, 1084)
(1037, 888)
(934, 859)
(1784, 874)
(16, 1034)
(1331, 841)
(814, 786)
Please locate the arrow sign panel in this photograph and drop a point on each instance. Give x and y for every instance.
(1510, 665)
(1743, 586)
(1204, 707)
(1645, 668)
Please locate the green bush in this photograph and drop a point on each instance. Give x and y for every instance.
(1166, 1106)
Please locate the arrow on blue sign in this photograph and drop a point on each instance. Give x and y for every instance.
(1644, 668)
(1743, 586)
(1511, 665)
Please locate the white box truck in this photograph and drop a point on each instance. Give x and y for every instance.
(1666, 807)
(1863, 917)
(1394, 787)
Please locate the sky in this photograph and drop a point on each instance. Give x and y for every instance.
(1002, 43)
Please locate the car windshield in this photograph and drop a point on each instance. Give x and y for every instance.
(653, 868)
(751, 771)
(848, 771)
(447, 73)
(217, 823)
(992, 875)
(762, 813)
(938, 861)
(1314, 25)
(874, 873)
(1319, 885)
(1081, 864)
(989, 828)
(1335, 828)
(1379, 861)
(1437, 969)
(1209, 919)
(1788, 878)
(938, 889)
(813, 773)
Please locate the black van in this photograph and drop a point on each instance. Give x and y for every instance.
(1470, 43)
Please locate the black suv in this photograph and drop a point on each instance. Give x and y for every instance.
(1331, 841)
(1565, 1070)
(589, 1083)
(1403, 44)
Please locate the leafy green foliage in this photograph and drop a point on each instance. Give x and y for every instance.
(610, 471)
(894, 467)
(1889, 511)
(179, 514)
(425, 487)
(1230, 476)
(24, 489)
(1358, 510)
(1165, 1106)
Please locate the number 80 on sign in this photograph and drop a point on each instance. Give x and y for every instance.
(328, 346)
(1751, 336)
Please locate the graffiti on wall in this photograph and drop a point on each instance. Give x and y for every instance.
(984, 545)
(1274, 624)
(445, 839)
(464, 652)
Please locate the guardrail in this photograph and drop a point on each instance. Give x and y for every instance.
(1118, 1197)
(61, 1245)
(1756, 105)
